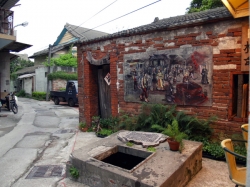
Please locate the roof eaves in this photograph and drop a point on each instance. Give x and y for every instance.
(170, 23)
(60, 36)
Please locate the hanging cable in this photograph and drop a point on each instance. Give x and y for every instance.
(95, 15)
(121, 16)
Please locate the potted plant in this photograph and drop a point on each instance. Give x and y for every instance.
(175, 136)
(83, 126)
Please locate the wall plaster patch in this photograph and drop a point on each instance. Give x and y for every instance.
(228, 66)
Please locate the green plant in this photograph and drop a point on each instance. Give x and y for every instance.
(174, 132)
(214, 149)
(154, 116)
(62, 75)
(62, 89)
(74, 173)
(82, 124)
(127, 121)
(21, 93)
(105, 132)
(130, 144)
(39, 96)
(105, 125)
(151, 149)
(63, 60)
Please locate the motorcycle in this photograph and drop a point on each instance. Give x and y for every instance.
(11, 102)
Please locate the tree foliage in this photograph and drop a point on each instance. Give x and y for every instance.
(63, 60)
(19, 63)
(62, 75)
(200, 5)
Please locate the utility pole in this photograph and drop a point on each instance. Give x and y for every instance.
(47, 94)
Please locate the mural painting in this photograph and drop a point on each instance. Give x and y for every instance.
(180, 76)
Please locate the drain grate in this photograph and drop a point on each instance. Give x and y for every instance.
(72, 117)
(45, 171)
(63, 131)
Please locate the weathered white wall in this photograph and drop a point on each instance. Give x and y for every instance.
(27, 85)
(41, 80)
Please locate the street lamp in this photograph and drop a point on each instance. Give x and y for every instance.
(24, 24)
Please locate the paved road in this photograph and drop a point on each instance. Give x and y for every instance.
(33, 138)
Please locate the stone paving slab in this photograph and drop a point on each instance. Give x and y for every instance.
(145, 138)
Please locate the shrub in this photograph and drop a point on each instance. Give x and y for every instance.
(160, 116)
(105, 132)
(62, 75)
(62, 89)
(39, 96)
(21, 93)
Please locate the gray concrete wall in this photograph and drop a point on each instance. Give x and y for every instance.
(5, 72)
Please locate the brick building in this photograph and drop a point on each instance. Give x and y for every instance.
(208, 51)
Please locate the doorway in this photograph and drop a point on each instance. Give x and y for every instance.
(104, 92)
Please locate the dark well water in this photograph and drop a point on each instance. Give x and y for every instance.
(123, 160)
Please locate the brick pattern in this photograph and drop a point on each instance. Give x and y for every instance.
(57, 84)
(118, 47)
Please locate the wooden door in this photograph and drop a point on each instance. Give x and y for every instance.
(104, 92)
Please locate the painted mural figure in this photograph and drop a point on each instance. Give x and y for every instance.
(175, 77)
(159, 80)
(154, 79)
(144, 87)
(185, 78)
(191, 72)
(204, 79)
(169, 90)
(175, 73)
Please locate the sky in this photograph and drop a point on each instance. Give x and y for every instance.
(46, 18)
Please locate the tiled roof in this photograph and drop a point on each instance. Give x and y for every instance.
(78, 33)
(46, 51)
(172, 22)
(26, 70)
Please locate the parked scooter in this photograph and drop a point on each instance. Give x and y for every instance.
(11, 102)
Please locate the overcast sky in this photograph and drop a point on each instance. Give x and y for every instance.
(47, 18)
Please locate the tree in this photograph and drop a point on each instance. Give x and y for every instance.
(19, 63)
(200, 5)
(63, 60)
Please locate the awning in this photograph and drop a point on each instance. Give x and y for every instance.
(26, 76)
(8, 4)
(17, 46)
(238, 8)
(13, 56)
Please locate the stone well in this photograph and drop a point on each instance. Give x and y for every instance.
(163, 167)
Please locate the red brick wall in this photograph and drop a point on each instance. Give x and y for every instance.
(57, 84)
(225, 38)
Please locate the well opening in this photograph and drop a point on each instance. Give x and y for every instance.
(124, 157)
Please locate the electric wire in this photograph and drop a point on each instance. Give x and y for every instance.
(95, 15)
(120, 16)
